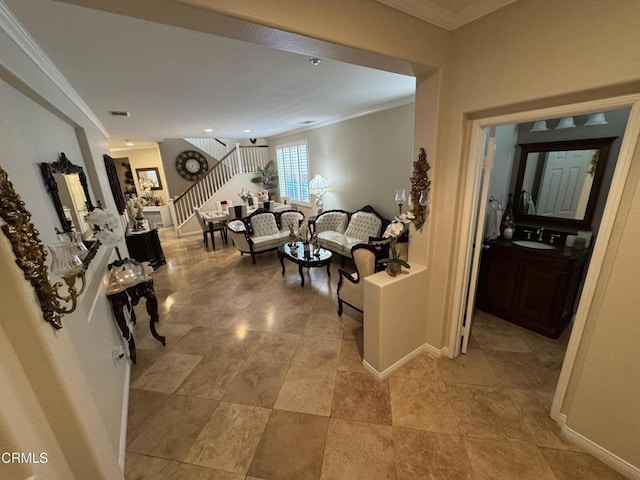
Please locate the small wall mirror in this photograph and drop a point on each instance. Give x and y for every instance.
(67, 185)
(558, 182)
(150, 177)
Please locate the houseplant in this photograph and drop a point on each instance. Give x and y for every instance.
(395, 229)
(267, 176)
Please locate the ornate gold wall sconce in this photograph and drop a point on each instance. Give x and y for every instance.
(30, 256)
(420, 189)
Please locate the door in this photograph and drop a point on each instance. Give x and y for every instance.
(476, 246)
(564, 181)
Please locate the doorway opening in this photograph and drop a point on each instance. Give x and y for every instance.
(476, 207)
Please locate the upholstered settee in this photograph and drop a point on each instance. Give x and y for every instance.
(262, 231)
(339, 231)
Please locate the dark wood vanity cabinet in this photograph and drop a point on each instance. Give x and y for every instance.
(532, 288)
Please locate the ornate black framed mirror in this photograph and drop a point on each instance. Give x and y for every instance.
(558, 182)
(67, 185)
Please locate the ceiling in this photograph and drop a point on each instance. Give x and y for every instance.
(176, 82)
(448, 14)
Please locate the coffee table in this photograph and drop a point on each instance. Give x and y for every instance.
(304, 258)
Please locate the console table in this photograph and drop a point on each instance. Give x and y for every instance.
(144, 245)
(127, 297)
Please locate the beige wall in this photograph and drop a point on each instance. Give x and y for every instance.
(524, 54)
(76, 391)
(529, 54)
(365, 159)
(146, 158)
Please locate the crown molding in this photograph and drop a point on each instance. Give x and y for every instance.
(21, 37)
(443, 17)
(380, 108)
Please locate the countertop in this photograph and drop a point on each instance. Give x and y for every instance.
(559, 250)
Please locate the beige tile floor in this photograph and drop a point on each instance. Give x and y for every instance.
(260, 379)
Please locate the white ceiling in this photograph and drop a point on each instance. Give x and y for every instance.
(177, 82)
(448, 14)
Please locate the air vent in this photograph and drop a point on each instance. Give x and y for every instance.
(307, 122)
(119, 113)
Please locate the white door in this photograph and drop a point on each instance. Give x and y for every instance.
(476, 245)
(564, 180)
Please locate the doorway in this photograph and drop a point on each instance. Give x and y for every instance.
(474, 205)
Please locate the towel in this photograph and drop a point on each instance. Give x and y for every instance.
(493, 222)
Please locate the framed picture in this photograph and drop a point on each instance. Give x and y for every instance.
(149, 176)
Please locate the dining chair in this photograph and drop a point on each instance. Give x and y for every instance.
(205, 228)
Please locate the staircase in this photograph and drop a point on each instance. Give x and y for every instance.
(238, 160)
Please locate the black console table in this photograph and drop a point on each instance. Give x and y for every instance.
(144, 245)
(129, 297)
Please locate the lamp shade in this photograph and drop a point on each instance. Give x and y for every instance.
(566, 122)
(596, 119)
(539, 126)
(318, 185)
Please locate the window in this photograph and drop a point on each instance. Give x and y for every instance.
(293, 171)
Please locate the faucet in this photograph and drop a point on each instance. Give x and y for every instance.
(539, 232)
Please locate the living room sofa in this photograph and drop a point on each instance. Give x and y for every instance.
(339, 230)
(262, 231)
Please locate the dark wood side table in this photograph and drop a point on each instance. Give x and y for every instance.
(144, 245)
(128, 298)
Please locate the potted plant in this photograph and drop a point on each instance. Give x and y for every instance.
(267, 176)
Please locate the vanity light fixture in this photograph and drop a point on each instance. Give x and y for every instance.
(539, 126)
(596, 119)
(566, 122)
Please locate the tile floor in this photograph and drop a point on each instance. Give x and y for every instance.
(260, 379)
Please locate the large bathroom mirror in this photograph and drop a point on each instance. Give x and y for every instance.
(558, 182)
(67, 185)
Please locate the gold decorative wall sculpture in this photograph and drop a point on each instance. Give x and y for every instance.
(420, 189)
(30, 255)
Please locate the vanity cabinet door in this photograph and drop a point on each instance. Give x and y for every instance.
(537, 298)
(498, 281)
(529, 289)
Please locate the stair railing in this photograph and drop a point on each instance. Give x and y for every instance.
(240, 159)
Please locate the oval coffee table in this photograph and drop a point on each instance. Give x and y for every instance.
(304, 258)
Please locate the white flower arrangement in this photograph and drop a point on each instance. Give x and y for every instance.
(245, 196)
(104, 225)
(392, 232)
(135, 207)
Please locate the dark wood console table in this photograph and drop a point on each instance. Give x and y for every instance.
(144, 245)
(128, 298)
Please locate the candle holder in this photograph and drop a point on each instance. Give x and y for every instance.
(401, 198)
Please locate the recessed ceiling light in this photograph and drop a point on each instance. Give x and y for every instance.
(208, 130)
(247, 130)
(128, 143)
(315, 62)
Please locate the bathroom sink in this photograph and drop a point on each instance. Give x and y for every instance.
(533, 244)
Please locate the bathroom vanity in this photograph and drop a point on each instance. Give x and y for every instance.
(530, 287)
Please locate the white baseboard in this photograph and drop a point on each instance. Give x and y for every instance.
(605, 456)
(125, 416)
(438, 353)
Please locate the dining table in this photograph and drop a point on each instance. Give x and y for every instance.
(216, 221)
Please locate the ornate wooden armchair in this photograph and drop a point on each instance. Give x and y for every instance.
(350, 285)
